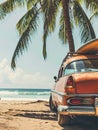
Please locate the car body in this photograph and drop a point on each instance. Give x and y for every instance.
(76, 87)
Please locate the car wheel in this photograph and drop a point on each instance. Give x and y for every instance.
(51, 105)
(63, 119)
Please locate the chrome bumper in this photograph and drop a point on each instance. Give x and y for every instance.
(79, 110)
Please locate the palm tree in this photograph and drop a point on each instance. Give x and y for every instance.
(71, 12)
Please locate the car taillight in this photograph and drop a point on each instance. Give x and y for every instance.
(70, 81)
(75, 101)
(81, 101)
(70, 86)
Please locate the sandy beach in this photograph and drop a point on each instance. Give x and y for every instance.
(27, 115)
(36, 115)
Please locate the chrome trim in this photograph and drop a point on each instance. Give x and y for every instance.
(84, 95)
(80, 107)
(59, 93)
(96, 106)
(67, 108)
(77, 110)
(69, 100)
(96, 102)
(81, 95)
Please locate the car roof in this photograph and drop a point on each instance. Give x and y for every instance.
(75, 56)
(88, 50)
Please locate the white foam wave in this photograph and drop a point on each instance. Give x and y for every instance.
(8, 93)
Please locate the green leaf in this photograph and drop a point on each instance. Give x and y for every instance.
(24, 40)
(62, 30)
(81, 19)
(23, 23)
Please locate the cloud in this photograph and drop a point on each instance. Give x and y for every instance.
(21, 79)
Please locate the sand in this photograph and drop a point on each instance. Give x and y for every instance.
(27, 115)
(36, 115)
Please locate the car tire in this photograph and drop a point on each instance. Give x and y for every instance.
(51, 105)
(63, 119)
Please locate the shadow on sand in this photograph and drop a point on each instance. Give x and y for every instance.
(83, 123)
(79, 123)
(45, 115)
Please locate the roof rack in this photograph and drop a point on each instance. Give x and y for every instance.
(70, 54)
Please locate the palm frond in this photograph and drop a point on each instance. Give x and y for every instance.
(87, 32)
(24, 40)
(62, 29)
(95, 14)
(31, 3)
(80, 1)
(9, 5)
(44, 45)
(91, 4)
(50, 9)
(25, 20)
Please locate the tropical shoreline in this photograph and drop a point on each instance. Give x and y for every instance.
(24, 94)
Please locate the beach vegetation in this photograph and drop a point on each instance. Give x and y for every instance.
(69, 14)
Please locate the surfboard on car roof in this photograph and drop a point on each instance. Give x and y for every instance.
(90, 47)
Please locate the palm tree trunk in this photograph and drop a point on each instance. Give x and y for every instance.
(65, 5)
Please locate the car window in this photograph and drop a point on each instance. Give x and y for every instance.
(81, 66)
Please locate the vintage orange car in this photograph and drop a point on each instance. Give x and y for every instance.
(76, 87)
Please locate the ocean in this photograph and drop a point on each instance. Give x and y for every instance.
(24, 94)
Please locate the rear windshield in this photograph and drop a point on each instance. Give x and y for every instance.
(78, 66)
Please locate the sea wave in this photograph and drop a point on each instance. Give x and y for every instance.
(23, 93)
(25, 99)
(33, 93)
(8, 93)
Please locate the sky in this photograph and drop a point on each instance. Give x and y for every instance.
(32, 71)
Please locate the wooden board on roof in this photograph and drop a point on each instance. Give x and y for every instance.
(89, 48)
